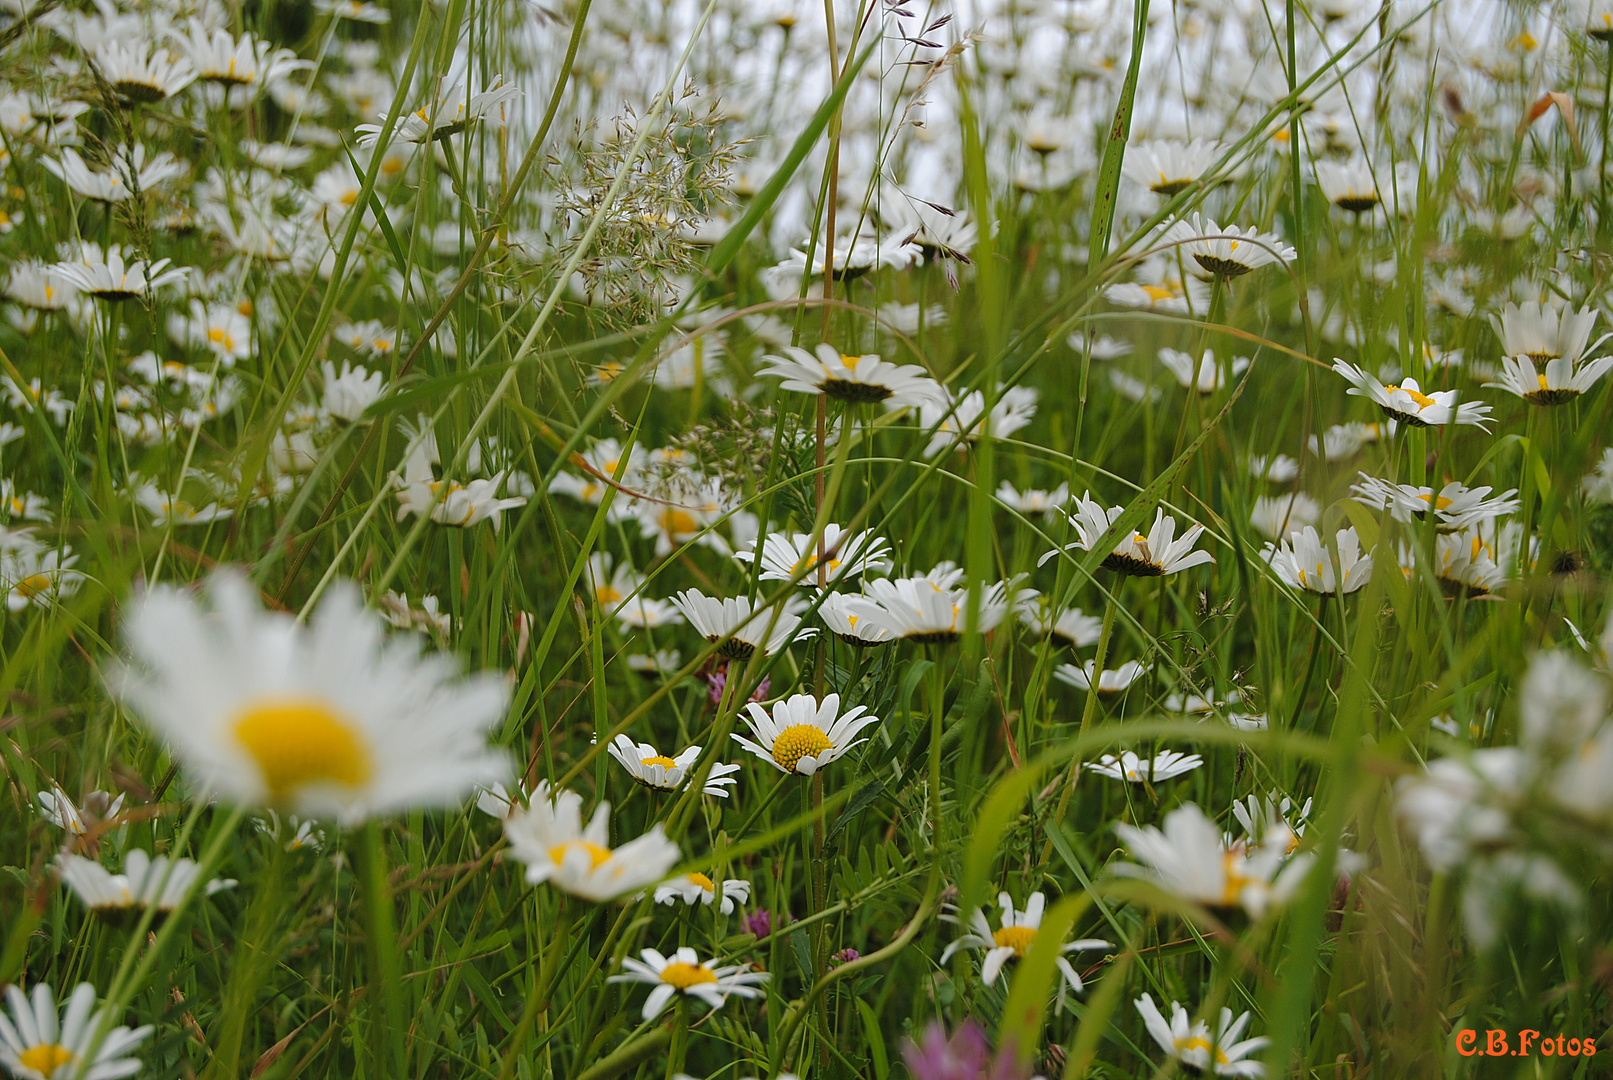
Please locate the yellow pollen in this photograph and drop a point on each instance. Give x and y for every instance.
(1199, 1042)
(595, 852)
(297, 741)
(798, 741)
(1422, 400)
(606, 595)
(1542, 380)
(46, 1058)
(1234, 246)
(1233, 889)
(349, 198)
(1525, 42)
(1018, 938)
(703, 881)
(30, 587)
(659, 759)
(1156, 293)
(849, 360)
(677, 522)
(682, 976)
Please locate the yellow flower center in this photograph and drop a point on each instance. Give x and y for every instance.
(32, 586)
(1541, 378)
(596, 853)
(46, 1058)
(659, 759)
(1422, 400)
(606, 595)
(1440, 503)
(301, 741)
(798, 741)
(675, 522)
(1156, 293)
(1018, 938)
(1232, 891)
(1199, 1042)
(703, 881)
(682, 976)
(849, 360)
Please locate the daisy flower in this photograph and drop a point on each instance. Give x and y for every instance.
(140, 72)
(444, 117)
(1167, 166)
(36, 1044)
(94, 809)
(1160, 287)
(120, 898)
(743, 631)
(220, 58)
(550, 838)
(922, 610)
(1276, 515)
(352, 390)
(794, 556)
(1165, 765)
(1158, 554)
(40, 286)
(1012, 939)
(1190, 859)
(1562, 381)
(1225, 253)
(684, 973)
(1409, 404)
(801, 735)
(1204, 374)
(1304, 562)
(1456, 506)
(1015, 407)
(1597, 485)
(106, 276)
(331, 719)
(33, 577)
(460, 505)
(1348, 185)
(1545, 332)
(1033, 500)
(1072, 626)
(839, 614)
(656, 665)
(856, 380)
(357, 10)
(1111, 681)
(653, 769)
(1194, 1046)
(697, 888)
(1476, 561)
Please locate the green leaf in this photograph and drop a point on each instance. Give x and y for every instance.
(876, 1041)
(1026, 1010)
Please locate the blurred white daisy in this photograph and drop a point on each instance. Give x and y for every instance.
(1190, 859)
(1033, 500)
(1205, 374)
(1225, 1053)
(1276, 515)
(120, 898)
(140, 72)
(331, 719)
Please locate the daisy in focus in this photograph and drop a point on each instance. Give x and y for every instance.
(1016, 932)
(925, 611)
(1226, 1053)
(332, 719)
(801, 735)
(1158, 554)
(649, 767)
(794, 556)
(742, 631)
(1191, 860)
(855, 380)
(697, 888)
(550, 837)
(1165, 765)
(683, 973)
(1455, 506)
(1304, 562)
(1225, 253)
(1407, 402)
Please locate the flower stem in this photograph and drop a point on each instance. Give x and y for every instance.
(381, 930)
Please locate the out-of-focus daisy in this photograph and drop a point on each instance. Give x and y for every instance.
(1160, 287)
(1016, 932)
(656, 665)
(1225, 253)
(1597, 485)
(1165, 765)
(357, 10)
(37, 1044)
(40, 286)
(697, 888)
(1259, 816)
(653, 769)
(1190, 859)
(445, 117)
(352, 390)
(1344, 440)
(38, 578)
(1304, 562)
(1348, 185)
(218, 57)
(549, 836)
(1225, 1053)
(1204, 374)
(1033, 500)
(924, 611)
(948, 416)
(331, 719)
(853, 379)
(801, 735)
(1111, 681)
(684, 973)
(1167, 167)
(450, 502)
(787, 556)
(140, 72)
(1545, 331)
(107, 276)
(79, 818)
(747, 631)
(120, 898)
(1455, 506)
(1276, 515)
(1409, 404)
(131, 174)
(1100, 346)
(1158, 554)
(1072, 626)
(839, 614)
